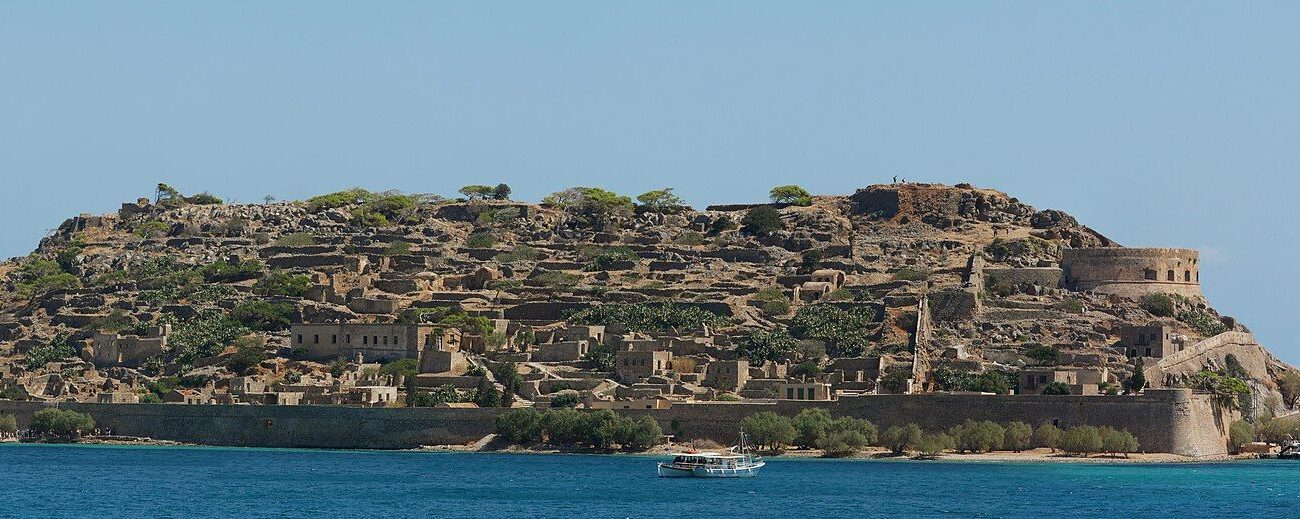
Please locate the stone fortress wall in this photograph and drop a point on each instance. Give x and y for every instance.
(1133, 272)
(1176, 421)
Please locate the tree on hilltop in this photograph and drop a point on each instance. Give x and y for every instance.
(791, 194)
(477, 192)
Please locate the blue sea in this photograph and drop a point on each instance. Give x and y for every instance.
(114, 481)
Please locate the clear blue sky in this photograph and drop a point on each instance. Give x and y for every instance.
(1159, 124)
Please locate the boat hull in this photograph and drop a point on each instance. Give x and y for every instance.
(738, 472)
(669, 471)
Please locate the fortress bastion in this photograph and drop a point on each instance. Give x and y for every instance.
(1133, 272)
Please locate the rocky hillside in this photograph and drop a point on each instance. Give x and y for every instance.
(939, 280)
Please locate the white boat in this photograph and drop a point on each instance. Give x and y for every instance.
(738, 463)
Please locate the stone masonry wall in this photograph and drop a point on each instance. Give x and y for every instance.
(1173, 420)
(1127, 271)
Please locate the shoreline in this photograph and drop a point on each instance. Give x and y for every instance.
(875, 454)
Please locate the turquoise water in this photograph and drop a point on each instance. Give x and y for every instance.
(106, 481)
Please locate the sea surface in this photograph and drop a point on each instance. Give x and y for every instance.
(120, 481)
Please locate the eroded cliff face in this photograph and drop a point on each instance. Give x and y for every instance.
(983, 264)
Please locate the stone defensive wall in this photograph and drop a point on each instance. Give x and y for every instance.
(1164, 420)
(1132, 272)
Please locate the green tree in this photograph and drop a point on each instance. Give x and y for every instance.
(661, 201)
(283, 284)
(790, 194)
(1289, 385)
(600, 358)
(900, 439)
(562, 426)
(486, 395)
(501, 192)
(1117, 441)
(1056, 388)
(972, 436)
(61, 423)
(638, 434)
(932, 445)
(761, 345)
(522, 425)
(600, 429)
(810, 424)
(1082, 439)
(8, 424)
(565, 400)
(761, 220)
(477, 192)
(1047, 435)
(768, 430)
(1138, 381)
(1017, 436)
(249, 352)
(845, 436)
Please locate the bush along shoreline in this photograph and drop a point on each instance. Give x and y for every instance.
(845, 437)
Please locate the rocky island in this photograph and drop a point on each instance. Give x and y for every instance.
(389, 320)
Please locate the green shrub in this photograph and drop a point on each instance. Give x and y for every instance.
(297, 239)
(761, 220)
(204, 198)
(649, 317)
(522, 425)
(1203, 322)
(846, 436)
(689, 238)
(151, 229)
(264, 316)
(404, 367)
(761, 346)
(225, 272)
(1047, 435)
(809, 425)
(397, 248)
(8, 424)
(352, 196)
(567, 399)
(481, 240)
(1160, 305)
(768, 430)
(38, 276)
(772, 301)
(1083, 439)
(842, 294)
(846, 333)
(931, 445)
(1017, 436)
(605, 258)
(900, 439)
(594, 203)
(56, 350)
(283, 284)
(438, 395)
(972, 436)
(204, 335)
(61, 423)
(1117, 441)
(249, 352)
(1069, 305)
(1240, 433)
(1056, 388)
(1045, 354)
(486, 394)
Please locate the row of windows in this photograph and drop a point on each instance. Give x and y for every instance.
(365, 339)
(1152, 275)
(791, 392)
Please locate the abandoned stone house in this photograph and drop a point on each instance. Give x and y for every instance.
(1153, 340)
(111, 349)
(856, 374)
(375, 341)
(563, 351)
(637, 365)
(727, 375)
(805, 391)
